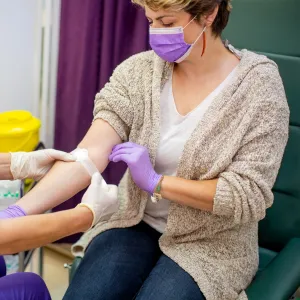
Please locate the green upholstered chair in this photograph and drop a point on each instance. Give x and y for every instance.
(272, 27)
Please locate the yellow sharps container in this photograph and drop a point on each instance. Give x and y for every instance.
(19, 131)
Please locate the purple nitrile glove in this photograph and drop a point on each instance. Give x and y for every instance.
(2, 267)
(13, 211)
(23, 286)
(138, 161)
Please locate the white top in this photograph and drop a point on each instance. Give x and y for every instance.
(174, 132)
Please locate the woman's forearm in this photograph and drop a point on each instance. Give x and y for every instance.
(65, 180)
(62, 182)
(5, 159)
(35, 231)
(193, 193)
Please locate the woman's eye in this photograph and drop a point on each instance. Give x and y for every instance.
(168, 25)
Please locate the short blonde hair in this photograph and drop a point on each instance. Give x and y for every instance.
(196, 8)
(163, 4)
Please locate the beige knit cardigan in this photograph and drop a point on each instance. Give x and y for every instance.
(240, 140)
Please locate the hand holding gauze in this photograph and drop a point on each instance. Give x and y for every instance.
(35, 165)
(101, 199)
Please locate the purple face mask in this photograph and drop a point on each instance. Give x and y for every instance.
(169, 43)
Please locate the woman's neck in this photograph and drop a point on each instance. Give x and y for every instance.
(216, 58)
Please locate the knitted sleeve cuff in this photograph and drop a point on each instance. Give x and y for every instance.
(224, 199)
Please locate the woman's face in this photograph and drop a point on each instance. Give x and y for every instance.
(171, 18)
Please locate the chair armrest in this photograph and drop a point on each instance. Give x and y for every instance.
(281, 278)
(74, 267)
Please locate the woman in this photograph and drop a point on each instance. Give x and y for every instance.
(19, 234)
(214, 121)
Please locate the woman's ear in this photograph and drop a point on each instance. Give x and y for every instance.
(209, 19)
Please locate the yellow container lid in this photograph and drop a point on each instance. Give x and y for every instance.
(18, 122)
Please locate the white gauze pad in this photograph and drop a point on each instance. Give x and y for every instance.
(82, 156)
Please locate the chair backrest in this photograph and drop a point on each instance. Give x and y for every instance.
(272, 27)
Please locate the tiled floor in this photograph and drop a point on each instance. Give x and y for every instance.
(55, 276)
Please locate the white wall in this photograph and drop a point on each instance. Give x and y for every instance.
(18, 81)
(28, 70)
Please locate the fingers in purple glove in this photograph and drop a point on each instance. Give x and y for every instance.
(13, 211)
(122, 146)
(126, 145)
(127, 158)
(119, 152)
(138, 160)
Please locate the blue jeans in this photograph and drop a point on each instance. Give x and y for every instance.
(127, 263)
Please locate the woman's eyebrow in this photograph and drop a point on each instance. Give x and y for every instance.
(161, 17)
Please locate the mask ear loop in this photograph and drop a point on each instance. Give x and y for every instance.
(202, 33)
(204, 40)
(189, 22)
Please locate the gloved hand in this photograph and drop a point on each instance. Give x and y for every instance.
(13, 211)
(138, 161)
(35, 165)
(100, 198)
